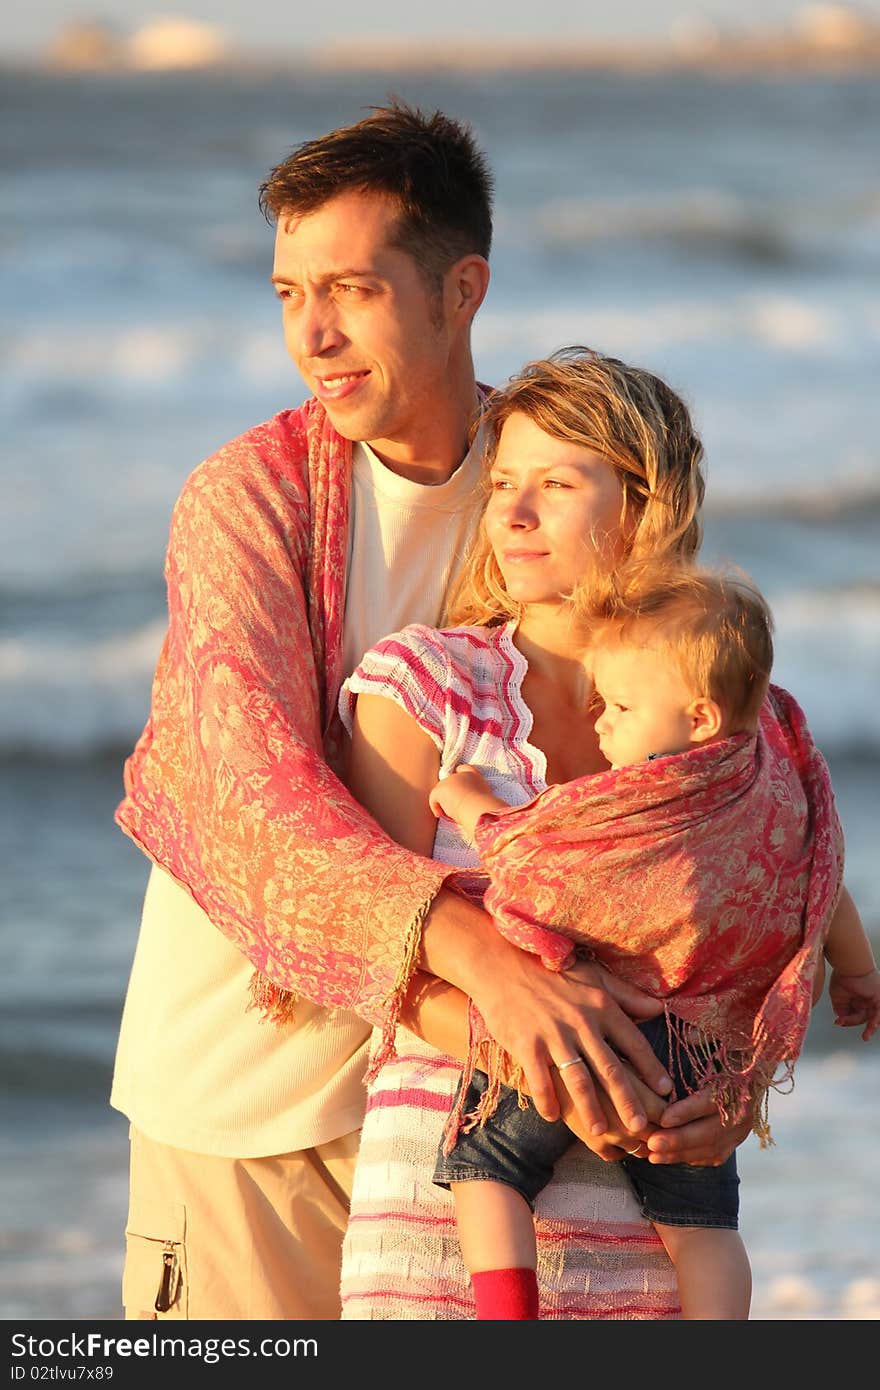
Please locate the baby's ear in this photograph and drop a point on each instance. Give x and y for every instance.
(706, 719)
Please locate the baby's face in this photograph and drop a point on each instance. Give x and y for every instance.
(646, 703)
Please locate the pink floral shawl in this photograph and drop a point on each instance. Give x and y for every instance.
(707, 878)
(228, 788)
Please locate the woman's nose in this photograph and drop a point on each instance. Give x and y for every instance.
(519, 510)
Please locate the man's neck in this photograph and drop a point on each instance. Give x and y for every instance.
(436, 447)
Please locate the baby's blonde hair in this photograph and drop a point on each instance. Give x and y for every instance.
(630, 417)
(715, 624)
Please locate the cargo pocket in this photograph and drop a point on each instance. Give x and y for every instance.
(154, 1278)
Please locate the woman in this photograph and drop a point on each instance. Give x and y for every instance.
(588, 462)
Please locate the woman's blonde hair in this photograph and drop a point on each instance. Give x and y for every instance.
(630, 417)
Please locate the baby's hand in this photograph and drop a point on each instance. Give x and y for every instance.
(855, 1000)
(463, 796)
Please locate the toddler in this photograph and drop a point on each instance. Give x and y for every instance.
(680, 660)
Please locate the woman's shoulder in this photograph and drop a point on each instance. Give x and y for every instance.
(463, 646)
(441, 668)
(409, 666)
(479, 658)
(432, 673)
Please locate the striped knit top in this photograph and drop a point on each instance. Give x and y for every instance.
(463, 687)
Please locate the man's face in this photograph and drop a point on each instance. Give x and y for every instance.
(367, 336)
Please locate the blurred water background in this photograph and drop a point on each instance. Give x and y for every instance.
(721, 230)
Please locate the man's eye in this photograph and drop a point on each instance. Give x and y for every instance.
(498, 483)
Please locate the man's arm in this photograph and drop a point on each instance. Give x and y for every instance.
(228, 789)
(534, 1008)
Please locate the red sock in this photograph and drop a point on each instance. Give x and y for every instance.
(506, 1295)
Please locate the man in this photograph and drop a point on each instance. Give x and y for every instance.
(291, 551)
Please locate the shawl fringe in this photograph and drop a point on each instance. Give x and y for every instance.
(484, 1054)
(386, 1050)
(739, 1087)
(731, 1070)
(277, 1005)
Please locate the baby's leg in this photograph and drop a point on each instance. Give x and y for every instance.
(495, 1171)
(712, 1269)
(496, 1231)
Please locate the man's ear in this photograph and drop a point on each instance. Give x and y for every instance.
(705, 719)
(466, 284)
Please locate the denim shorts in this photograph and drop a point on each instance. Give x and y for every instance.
(519, 1148)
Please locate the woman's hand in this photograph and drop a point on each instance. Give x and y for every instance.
(692, 1131)
(698, 1135)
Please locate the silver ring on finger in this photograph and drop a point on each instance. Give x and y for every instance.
(574, 1062)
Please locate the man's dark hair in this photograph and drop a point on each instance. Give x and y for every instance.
(430, 166)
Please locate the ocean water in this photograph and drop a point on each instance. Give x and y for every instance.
(724, 232)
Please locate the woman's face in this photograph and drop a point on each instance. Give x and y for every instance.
(554, 512)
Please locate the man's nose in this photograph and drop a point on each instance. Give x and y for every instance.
(601, 724)
(318, 329)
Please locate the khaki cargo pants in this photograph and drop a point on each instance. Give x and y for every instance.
(244, 1239)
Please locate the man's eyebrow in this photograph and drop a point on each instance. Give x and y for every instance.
(344, 273)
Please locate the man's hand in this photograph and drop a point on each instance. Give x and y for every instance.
(697, 1135)
(544, 1019)
(617, 1141)
(573, 1016)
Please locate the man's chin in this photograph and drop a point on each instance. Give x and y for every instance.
(355, 425)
